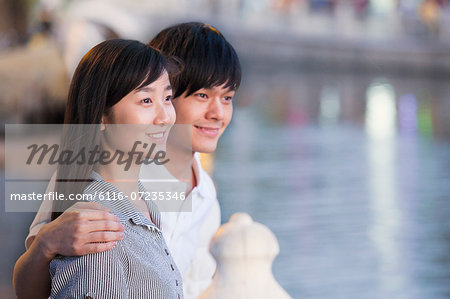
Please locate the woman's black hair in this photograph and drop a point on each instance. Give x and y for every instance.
(208, 58)
(106, 74)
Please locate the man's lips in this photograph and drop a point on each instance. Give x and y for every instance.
(209, 131)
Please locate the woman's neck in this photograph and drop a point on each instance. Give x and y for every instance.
(124, 180)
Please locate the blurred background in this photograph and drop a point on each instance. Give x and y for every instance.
(340, 140)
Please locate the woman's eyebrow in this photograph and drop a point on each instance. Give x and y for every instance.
(151, 89)
(146, 89)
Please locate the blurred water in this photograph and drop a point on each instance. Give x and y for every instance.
(357, 214)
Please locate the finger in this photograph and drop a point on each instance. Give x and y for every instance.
(98, 247)
(104, 237)
(94, 215)
(90, 206)
(105, 225)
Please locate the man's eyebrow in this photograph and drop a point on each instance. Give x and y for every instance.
(230, 89)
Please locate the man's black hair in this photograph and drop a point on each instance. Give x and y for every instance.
(207, 58)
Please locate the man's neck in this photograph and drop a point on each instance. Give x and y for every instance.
(181, 165)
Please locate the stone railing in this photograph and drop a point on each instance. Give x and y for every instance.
(244, 251)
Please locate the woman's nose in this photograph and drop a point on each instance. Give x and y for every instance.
(162, 116)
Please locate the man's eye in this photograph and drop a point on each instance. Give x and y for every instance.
(228, 99)
(202, 95)
(146, 101)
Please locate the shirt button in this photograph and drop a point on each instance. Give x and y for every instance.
(179, 296)
(176, 282)
(89, 297)
(173, 268)
(167, 251)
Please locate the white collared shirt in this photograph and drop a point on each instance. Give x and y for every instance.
(187, 234)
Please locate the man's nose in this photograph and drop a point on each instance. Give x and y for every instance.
(215, 109)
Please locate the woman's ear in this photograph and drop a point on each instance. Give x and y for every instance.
(102, 124)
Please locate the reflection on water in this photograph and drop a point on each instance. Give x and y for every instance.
(329, 105)
(407, 113)
(351, 173)
(380, 111)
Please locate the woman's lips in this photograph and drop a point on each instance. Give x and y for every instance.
(208, 131)
(157, 137)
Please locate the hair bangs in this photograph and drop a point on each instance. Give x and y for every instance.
(208, 59)
(155, 69)
(134, 69)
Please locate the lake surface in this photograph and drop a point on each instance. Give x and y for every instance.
(351, 172)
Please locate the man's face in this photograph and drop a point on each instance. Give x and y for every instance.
(209, 111)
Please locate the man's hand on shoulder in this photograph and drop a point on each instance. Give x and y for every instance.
(84, 228)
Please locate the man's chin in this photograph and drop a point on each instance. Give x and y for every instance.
(205, 148)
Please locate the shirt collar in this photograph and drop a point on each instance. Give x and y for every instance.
(195, 167)
(122, 207)
(199, 176)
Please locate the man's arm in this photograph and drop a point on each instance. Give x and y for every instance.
(84, 228)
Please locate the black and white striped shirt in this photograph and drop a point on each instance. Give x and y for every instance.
(139, 266)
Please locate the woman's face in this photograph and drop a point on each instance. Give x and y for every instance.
(145, 115)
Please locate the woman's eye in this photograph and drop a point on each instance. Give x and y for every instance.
(168, 99)
(228, 99)
(146, 101)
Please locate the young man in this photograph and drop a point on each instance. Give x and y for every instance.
(203, 93)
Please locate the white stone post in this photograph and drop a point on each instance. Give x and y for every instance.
(244, 251)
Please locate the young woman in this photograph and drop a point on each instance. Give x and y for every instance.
(120, 89)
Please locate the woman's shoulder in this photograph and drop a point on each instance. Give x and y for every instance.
(85, 264)
(76, 276)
